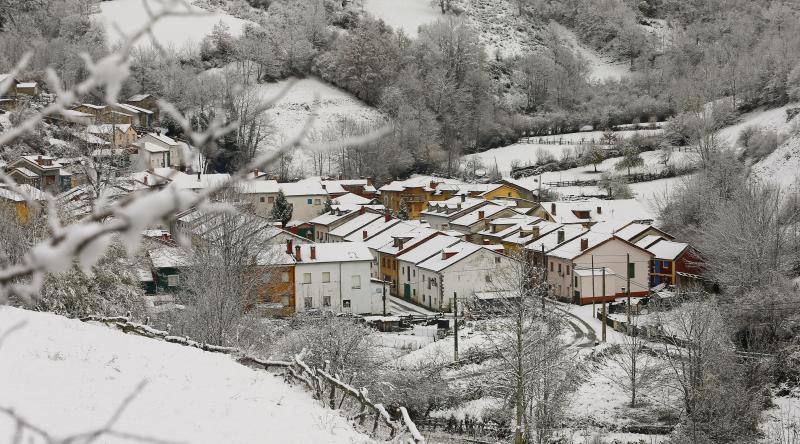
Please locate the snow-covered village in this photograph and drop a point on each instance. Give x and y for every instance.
(401, 221)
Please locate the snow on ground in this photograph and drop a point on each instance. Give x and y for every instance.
(69, 377)
(407, 15)
(176, 32)
(774, 119)
(501, 29)
(601, 68)
(783, 165)
(782, 422)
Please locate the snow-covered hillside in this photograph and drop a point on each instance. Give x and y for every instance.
(68, 377)
(601, 67)
(407, 15)
(177, 32)
(783, 165)
(773, 119)
(334, 105)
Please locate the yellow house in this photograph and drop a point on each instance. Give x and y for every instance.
(12, 202)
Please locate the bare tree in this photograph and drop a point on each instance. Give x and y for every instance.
(534, 369)
(638, 363)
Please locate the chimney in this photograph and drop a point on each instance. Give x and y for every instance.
(599, 210)
(313, 252)
(297, 256)
(288, 246)
(433, 185)
(145, 179)
(553, 208)
(387, 217)
(447, 254)
(463, 198)
(481, 214)
(293, 230)
(364, 234)
(361, 210)
(584, 243)
(535, 232)
(39, 159)
(560, 235)
(369, 181)
(255, 173)
(341, 177)
(324, 187)
(198, 176)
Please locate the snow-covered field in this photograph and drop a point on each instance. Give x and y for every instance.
(783, 165)
(407, 15)
(333, 105)
(601, 67)
(178, 32)
(774, 119)
(69, 377)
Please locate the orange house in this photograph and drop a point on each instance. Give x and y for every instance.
(275, 295)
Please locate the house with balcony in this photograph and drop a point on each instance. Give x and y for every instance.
(673, 263)
(40, 171)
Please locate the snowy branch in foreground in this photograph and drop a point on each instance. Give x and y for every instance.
(87, 240)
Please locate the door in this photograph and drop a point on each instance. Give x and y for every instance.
(407, 290)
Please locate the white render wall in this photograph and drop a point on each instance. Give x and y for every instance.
(463, 278)
(339, 288)
(302, 210)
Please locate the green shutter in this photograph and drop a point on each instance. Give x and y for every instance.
(631, 270)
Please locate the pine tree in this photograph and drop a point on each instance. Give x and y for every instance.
(402, 213)
(282, 209)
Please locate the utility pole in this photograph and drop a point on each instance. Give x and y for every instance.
(605, 314)
(455, 327)
(628, 284)
(594, 310)
(547, 286)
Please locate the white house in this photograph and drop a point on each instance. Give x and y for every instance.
(334, 277)
(407, 282)
(306, 198)
(339, 233)
(459, 270)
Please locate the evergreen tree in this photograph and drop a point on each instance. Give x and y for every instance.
(281, 210)
(402, 214)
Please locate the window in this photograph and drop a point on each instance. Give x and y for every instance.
(433, 281)
(326, 276)
(497, 260)
(355, 282)
(307, 302)
(262, 199)
(559, 267)
(317, 201)
(551, 265)
(488, 278)
(567, 269)
(172, 280)
(285, 276)
(326, 301)
(414, 292)
(271, 199)
(345, 303)
(631, 270)
(414, 272)
(308, 201)
(576, 281)
(665, 264)
(306, 278)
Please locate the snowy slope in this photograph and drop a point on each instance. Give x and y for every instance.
(407, 15)
(176, 32)
(783, 165)
(774, 119)
(601, 67)
(69, 377)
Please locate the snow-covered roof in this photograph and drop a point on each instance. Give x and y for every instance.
(354, 224)
(275, 255)
(474, 216)
(138, 97)
(428, 248)
(259, 186)
(587, 211)
(351, 198)
(387, 235)
(25, 172)
(332, 216)
(375, 227)
(665, 249)
(411, 238)
(449, 256)
(198, 181)
(597, 271)
(93, 106)
(302, 189)
(168, 257)
(163, 138)
(152, 147)
(144, 275)
(417, 182)
(134, 109)
(455, 206)
(34, 159)
(550, 240)
(335, 252)
(572, 248)
(26, 85)
(29, 190)
(648, 240)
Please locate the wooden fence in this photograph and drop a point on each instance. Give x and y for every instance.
(320, 382)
